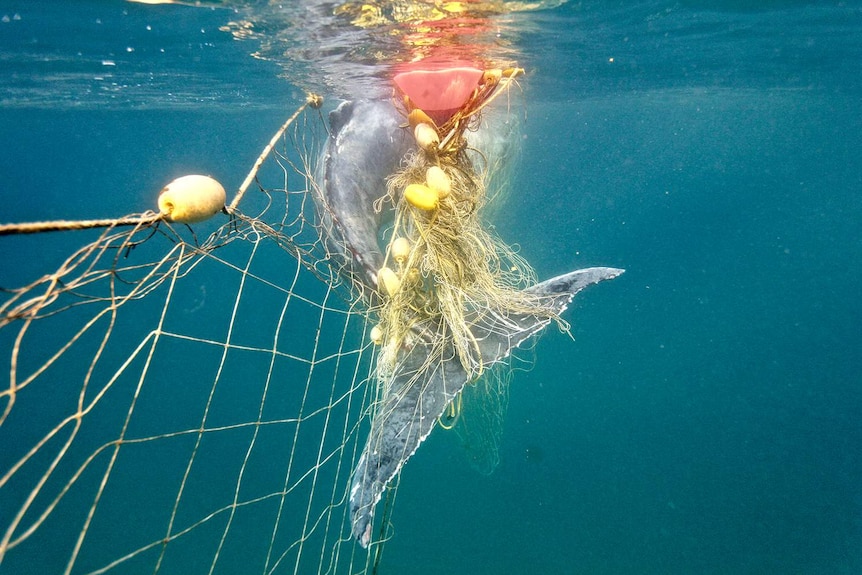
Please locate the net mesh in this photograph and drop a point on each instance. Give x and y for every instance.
(178, 404)
(181, 403)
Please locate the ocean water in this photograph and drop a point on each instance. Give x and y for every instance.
(707, 416)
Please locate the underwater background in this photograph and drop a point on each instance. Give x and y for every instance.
(707, 417)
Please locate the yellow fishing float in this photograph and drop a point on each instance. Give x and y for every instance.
(421, 196)
(388, 280)
(426, 136)
(400, 249)
(191, 199)
(436, 179)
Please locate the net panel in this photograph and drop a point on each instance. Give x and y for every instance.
(178, 404)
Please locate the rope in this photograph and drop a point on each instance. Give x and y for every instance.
(312, 100)
(147, 218)
(64, 225)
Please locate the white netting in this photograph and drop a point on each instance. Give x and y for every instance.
(188, 405)
(185, 404)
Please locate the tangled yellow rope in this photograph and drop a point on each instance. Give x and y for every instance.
(442, 262)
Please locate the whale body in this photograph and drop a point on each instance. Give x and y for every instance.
(368, 142)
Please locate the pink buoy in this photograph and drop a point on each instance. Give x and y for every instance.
(439, 93)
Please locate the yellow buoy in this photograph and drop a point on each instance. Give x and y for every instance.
(400, 249)
(191, 199)
(376, 335)
(492, 76)
(437, 179)
(421, 196)
(426, 136)
(388, 280)
(417, 116)
(512, 72)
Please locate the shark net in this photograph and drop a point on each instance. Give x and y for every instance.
(239, 393)
(186, 404)
(179, 404)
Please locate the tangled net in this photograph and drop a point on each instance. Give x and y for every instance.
(186, 404)
(449, 264)
(134, 380)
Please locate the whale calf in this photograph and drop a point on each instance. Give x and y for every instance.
(368, 143)
(419, 393)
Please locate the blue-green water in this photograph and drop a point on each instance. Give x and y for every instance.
(708, 416)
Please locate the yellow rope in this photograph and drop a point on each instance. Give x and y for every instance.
(313, 101)
(64, 225)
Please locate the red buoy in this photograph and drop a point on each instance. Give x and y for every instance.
(439, 93)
